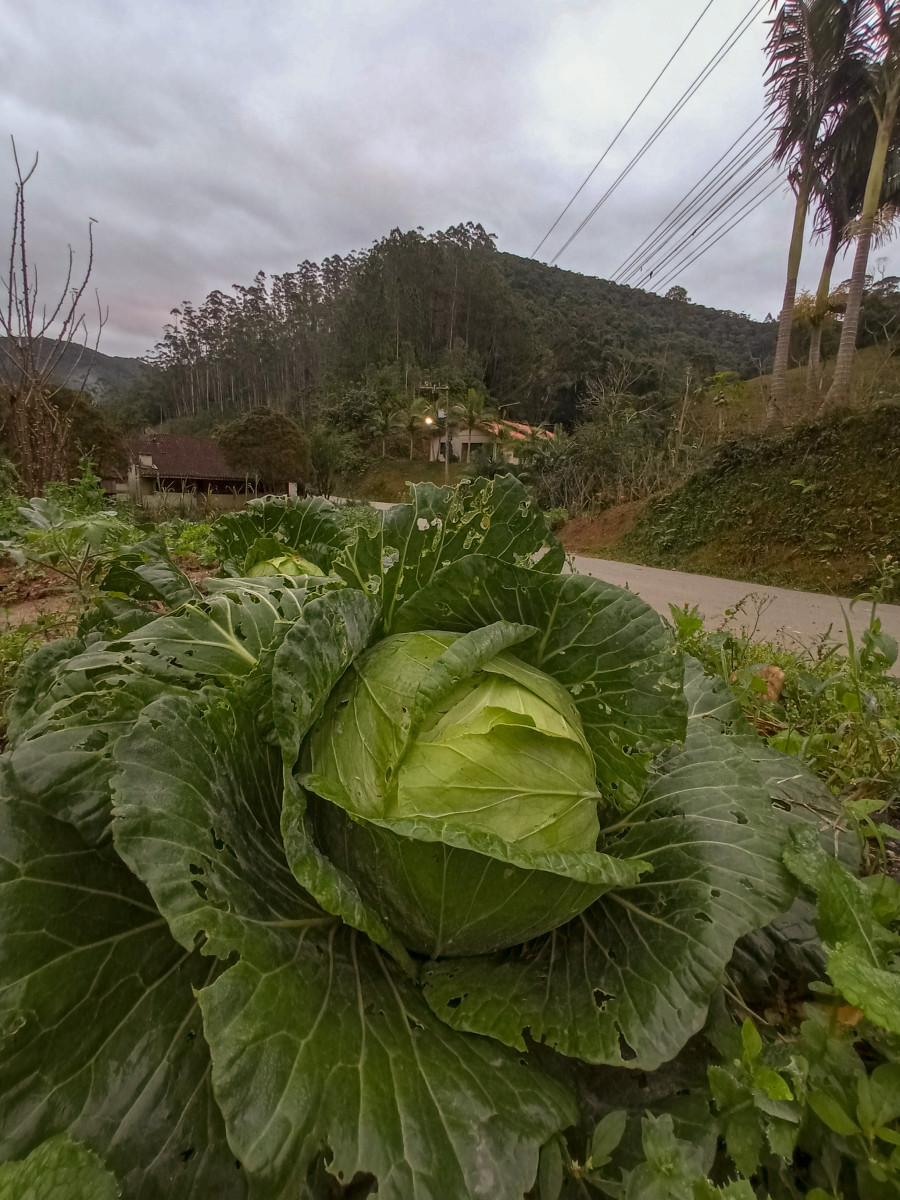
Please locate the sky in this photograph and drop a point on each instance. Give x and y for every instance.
(210, 139)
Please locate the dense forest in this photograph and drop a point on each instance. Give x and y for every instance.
(447, 306)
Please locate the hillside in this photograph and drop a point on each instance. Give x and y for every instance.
(583, 320)
(817, 507)
(103, 375)
(350, 334)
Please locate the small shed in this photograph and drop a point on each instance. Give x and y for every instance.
(163, 464)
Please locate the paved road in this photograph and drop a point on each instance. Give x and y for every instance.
(792, 617)
(778, 614)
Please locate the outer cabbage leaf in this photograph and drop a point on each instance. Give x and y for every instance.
(629, 981)
(146, 572)
(58, 1169)
(440, 526)
(77, 699)
(313, 528)
(316, 1038)
(787, 954)
(99, 1027)
(607, 647)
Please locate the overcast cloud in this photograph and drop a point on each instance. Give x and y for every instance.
(214, 138)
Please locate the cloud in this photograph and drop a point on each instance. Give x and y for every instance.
(214, 138)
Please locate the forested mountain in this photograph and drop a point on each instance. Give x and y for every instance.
(448, 306)
(104, 376)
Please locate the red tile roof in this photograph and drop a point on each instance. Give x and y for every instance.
(516, 429)
(176, 457)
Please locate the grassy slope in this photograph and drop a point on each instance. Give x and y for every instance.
(877, 379)
(816, 507)
(386, 479)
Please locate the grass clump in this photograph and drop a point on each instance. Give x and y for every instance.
(835, 707)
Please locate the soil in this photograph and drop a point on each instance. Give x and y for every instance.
(586, 535)
(27, 593)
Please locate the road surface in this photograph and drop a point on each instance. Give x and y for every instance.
(777, 613)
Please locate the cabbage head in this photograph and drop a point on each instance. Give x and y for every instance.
(291, 565)
(357, 878)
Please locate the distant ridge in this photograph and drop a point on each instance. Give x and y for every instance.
(102, 375)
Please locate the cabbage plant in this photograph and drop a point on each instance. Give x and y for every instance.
(350, 879)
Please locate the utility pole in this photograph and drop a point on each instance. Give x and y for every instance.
(442, 387)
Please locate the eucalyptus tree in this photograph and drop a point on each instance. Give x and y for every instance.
(815, 51)
(882, 90)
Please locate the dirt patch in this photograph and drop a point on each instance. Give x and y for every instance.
(585, 535)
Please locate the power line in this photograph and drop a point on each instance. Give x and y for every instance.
(734, 197)
(633, 114)
(676, 212)
(750, 207)
(730, 185)
(737, 175)
(730, 42)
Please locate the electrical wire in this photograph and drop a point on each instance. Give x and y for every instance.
(750, 207)
(730, 42)
(684, 205)
(634, 113)
(731, 187)
(694, 219)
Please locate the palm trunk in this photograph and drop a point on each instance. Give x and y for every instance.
(839, 392)
(776, 405)
(813, 379)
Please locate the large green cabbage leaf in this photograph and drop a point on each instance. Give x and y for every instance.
(313, 528)
(100, 1033)
(494, 517)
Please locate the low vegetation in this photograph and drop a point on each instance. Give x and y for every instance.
(817, 507)
(712, 1014)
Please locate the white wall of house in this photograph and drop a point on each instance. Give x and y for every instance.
(462, 444)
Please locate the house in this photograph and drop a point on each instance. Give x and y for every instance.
(165, 465)
(499, 437)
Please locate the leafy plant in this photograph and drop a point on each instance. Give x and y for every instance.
(333, 854)
(312, 529)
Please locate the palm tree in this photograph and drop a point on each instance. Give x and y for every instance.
(409, 418)
(473, 410)
(815, 48)
(883, 93)
(840, 191)
(382, 424)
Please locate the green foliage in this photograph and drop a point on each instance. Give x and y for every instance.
(335, 457)
(186, 537)
(58, 1169)
(267, 446)
(349, 339)
(838, 711)
(174, 821)
(360, 515)
(819, 509)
